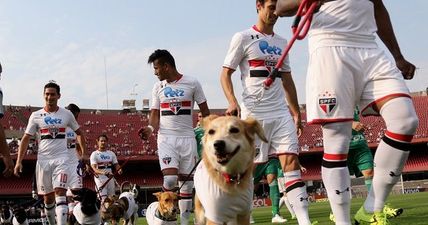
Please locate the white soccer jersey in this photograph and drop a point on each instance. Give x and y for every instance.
(175, 101)
(132, 206)
(71, 145)
(51, 126)
(348, 23)
(105, 161)
(256, 54)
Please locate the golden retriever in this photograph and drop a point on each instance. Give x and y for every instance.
(223, 181)
(165, 210)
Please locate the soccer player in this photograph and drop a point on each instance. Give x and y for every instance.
(171, 114)
(4, 148)
(256, 51)
(75, 152)
(52, 171)
(102, 162)
(347, 68)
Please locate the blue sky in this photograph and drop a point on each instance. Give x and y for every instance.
(67, 41)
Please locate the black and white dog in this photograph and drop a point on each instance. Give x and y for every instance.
(87, 210)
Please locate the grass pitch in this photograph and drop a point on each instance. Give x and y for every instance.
(415, 211)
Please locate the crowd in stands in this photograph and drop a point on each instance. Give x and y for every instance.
(121, 128)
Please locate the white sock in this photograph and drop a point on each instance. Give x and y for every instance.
(50, 213)
(289, 207)
(185, 206)
(43, 217)
(61, 210)
(296, 194)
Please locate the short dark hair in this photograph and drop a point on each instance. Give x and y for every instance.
(102, 135)
(163, 56)
(73, 108)
(53, 85)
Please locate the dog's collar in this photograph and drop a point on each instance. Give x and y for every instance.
(232, 178)
(159, 216)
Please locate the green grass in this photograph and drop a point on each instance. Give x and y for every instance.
(415, 211)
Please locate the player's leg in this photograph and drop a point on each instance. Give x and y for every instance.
(60, 180)
(45, 188)
(271, 176)
(285, 144)
(76, 183)
(188, 153)
(392, 153)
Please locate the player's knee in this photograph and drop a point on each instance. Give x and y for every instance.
(337, 137)
(400, 116)
(169, 182)
(291, 163)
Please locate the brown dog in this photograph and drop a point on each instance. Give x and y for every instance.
(164, 211)
(223, 181)
(125, 207)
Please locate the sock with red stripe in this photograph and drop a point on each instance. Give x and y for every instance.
(392, 153)
(297, 195)
(334, 169)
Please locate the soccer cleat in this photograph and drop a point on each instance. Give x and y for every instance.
(252, 219)
(293, 217)
(391, 212)
(364, 218)
(314, 223)
(278, 219)
(331, 217)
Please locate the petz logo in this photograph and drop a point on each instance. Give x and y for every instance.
(266, 49)
(169, 92)
(104, 157)
(52, 121)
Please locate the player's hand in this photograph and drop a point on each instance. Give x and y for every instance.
(18, 169)
(34, 195)
(233, 110)
(145, 132)
(406, 68)
(9, 166)
(357, 126)
(120, 172)
(303, 169)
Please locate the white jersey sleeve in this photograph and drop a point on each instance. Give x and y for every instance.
(32, 126)
(155, 96)
(72, 121)
(236, 53)
(199, 95)
(113, 158)
(93, 158)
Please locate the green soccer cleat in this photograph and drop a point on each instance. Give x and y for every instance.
(331, 217)
(364, 218)
(392, 212)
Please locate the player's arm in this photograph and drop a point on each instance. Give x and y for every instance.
(81, 142)
(287, 7)
(386, 34)
(96, 170)
(203, 107)
(293, 103)
(25, 140)
(5, 153)
(154, 119)
(117, 168)
(227, 85)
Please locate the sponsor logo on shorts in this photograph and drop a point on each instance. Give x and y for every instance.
(327, 102)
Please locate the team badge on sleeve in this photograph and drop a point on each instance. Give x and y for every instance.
(327, 102)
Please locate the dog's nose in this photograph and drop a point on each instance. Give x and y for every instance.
(219, 146)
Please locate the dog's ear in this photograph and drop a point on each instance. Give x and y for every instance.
(206, 120)
(157, 194)
(253, 127)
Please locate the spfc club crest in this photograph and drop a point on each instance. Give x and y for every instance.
(175, 106)
(327, 102)
(53, 131)
(166, 160)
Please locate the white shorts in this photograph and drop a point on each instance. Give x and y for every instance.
(109, 189)
(281, 184)
(177, 152)
(282, 136)
(51, 174)
(339, 78)
(75, 181)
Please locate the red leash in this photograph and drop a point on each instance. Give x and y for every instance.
(306, 10)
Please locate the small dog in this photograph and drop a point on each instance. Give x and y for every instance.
(124, 207)
(87, 210)
(164, 211)
(6, 215)
(19, 216)
(223, 181)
